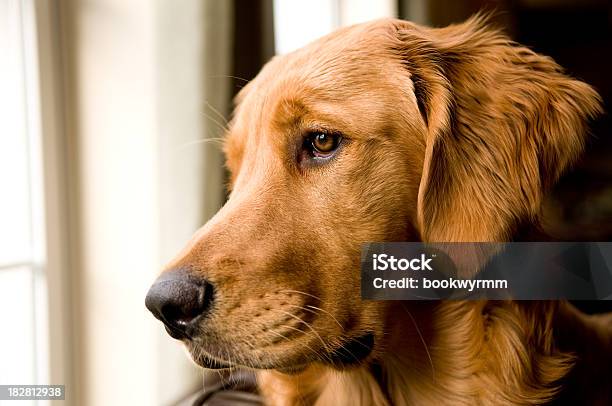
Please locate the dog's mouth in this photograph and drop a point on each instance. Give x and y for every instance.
(207, 361)
(210, 363)
(351, 353)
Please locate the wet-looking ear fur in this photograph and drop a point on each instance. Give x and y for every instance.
(502, 123)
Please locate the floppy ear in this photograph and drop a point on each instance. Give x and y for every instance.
(502, 125)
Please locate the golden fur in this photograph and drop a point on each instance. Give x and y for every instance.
(451, 134)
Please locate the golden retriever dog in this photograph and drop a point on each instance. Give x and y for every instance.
(387, 131)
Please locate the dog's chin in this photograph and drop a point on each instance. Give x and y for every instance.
(353, 352)
(209, 362)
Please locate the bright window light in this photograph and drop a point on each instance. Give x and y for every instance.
(22, 301)
(297, 23)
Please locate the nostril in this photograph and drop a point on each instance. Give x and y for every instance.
(176, 315)
(178, 300)
(189, 304)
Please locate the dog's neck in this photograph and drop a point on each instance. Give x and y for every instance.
(452, 352)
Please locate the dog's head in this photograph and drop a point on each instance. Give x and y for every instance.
(384, 131)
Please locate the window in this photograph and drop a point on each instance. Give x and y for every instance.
(297, 23)
(23, 337)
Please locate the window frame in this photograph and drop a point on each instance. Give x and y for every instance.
(57, 179)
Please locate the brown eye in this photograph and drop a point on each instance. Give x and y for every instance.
(323, 144)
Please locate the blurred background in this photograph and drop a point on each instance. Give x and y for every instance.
(109, 115)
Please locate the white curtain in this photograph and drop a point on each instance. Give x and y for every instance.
(145, 83)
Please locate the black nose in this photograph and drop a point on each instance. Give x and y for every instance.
(180, 301)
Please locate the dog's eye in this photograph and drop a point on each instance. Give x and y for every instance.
(323, 144)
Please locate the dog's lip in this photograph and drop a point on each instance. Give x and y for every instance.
(205, 359)
(352, 352)
(175, 333)
(208, 362)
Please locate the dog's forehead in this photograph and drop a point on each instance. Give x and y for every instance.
(336, 70)
(347, 57)
(351, 55)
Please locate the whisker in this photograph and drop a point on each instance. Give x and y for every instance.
(328, 313)
(268, 343)
(305, 309)
(433, 371)
(221, 126)
(279, 335)
(324, 354)
(229, 77)
(302, 293)
(314, 307)
(221, 116)
(200, 141)
(349, 352)
(316, 353)
(293, 316)
(307, 325)
(309, 308)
